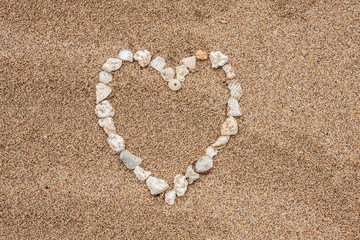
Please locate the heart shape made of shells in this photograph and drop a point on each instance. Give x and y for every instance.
(105, 112)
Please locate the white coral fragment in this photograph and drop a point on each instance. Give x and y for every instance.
(156, 185)
(141, 174)
(218, 59)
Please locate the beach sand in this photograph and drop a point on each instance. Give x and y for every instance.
(292, 172)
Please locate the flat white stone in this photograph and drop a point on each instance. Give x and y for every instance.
(156, 185)
(112, 64)
(180, 185)
(189, 62)
(143, 57)
(204, 165)
(158, 63)
(126, 55)
(104, 109)
(105, 77)
(102, 92)
(130, 160)
(211, 152)
(191, 175)
(233, 108)
(218, 59)
(170, 197)
(167, 74)
(229, 127)
(116, 142)
(108, 125)
(141, 174)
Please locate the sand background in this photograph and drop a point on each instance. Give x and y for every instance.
(292, 172)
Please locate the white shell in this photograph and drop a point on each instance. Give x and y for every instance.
(170, 197)
(191, 175)
(141, 174)
(158, 63)
(105, 77)
(235, 89)
(143, 57)
(112, 64)
(156, 185)
(233, 108)
(174, 85)
(204, 165)
(180, 185)
(211, 152)
(167, 74)
(221, 142)
(116, 142)
(102, 92)
(189, 62)
(126, 55)
(229, 71)
(104, 109)
(229, 127)
(181, 72)
(130, 160)
(108, 125)
(218, 59)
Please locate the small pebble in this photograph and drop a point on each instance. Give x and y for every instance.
(112, 64)
(201, 55)
(116, 142)
(126, 55)
(108, 125)
(141, 174)
(104, 109)
(170, 197)
(180, 185)
(233, 108)
(191, 175)
(156, 185)
(143, 57)
(189, 62)
(204, 165)
(130, 160)
(174, 85)
(229, 127)
(211, 152)
(218, 59)
(221, 142)
(105, 77)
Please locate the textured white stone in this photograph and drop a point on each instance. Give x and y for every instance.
(174, 84)
(221, 142)
(156, 185)
(112, 64)
(143, 57)
(130, 160)
(102, 92)
(229, 71)
(181, 72)
(141, 174)
(235, 89)
(170, 197)
(211, 152)
(189, 62)
(104, 109)
(191, 175)
(233, 108)
(108, 125)
(229, 127)
(126, 55)
(158, 63)
(167, 74)
(204, 165)
(180, 185)
(218, 59)
(105, 77)
(116, 142)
